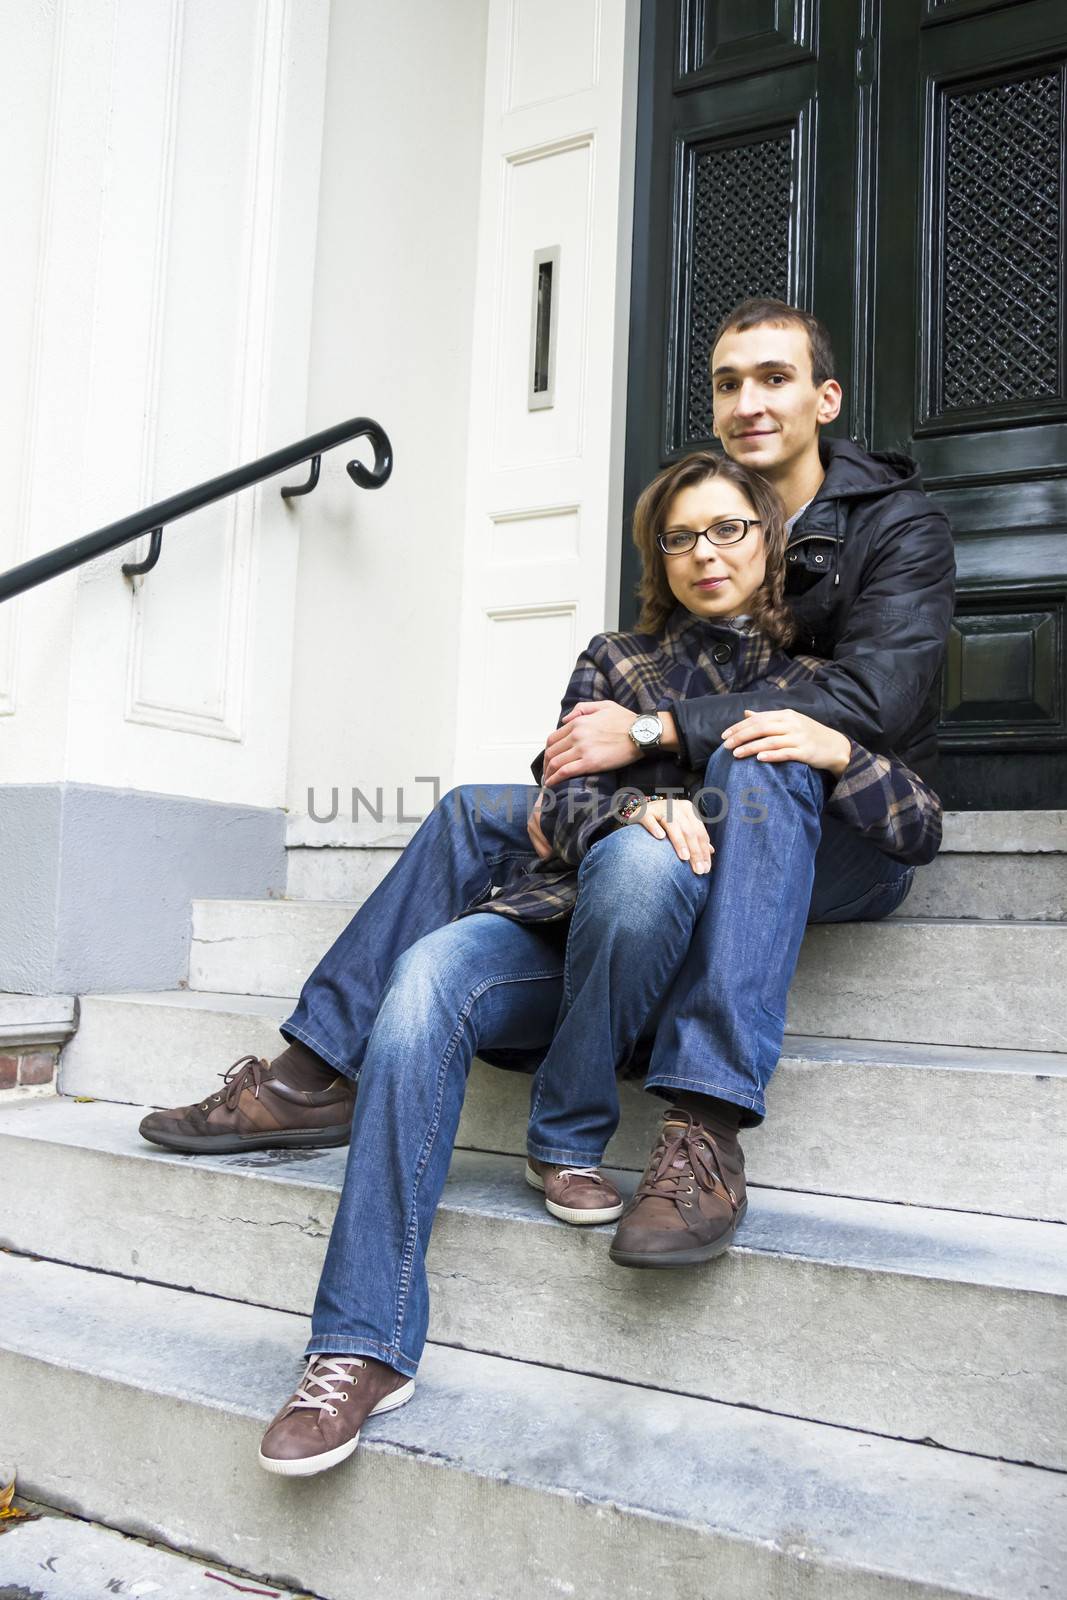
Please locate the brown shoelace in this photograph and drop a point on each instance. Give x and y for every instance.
(248, 1072)
(698, 1154)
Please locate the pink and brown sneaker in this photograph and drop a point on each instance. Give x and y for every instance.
(579, 1195)
(318, 1427)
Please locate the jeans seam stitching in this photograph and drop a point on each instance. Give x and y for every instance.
(875, 889)
(701, 1086)
(403, 1283)
(480, 896)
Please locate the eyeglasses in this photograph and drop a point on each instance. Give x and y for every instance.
(679, 541)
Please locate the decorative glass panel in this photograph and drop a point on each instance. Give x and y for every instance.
(1001, 264)
(739, 246)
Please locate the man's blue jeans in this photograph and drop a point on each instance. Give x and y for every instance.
(700, 965)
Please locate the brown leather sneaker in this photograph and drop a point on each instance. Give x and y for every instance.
(319, 1426)
(689, 1202)
(575, 1194)
(255, 1110)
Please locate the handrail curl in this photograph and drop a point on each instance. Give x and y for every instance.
(154, 519)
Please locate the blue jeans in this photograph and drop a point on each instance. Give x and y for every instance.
(696, 969)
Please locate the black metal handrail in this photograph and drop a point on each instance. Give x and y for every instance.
(155, 518)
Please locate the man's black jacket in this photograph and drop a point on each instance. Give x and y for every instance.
(870, 578)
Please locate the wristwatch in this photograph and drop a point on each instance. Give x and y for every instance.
(647, 731)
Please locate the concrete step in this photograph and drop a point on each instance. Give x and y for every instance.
(1013, 888)
(261, 946)
(164, 1048)
(337, 873)
(993, 865)
(53, 1557)
(995, 985)
(499, 1478)
(901, 1321)
(989, 984)
(848, 1117)
(1005, 832)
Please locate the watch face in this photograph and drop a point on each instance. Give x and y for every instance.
(646, 730)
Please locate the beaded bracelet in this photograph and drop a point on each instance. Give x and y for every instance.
(634, 803)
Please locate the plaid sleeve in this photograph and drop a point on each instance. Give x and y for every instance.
(577, 812)
(889, 805)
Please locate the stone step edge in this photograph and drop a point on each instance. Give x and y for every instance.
(965, 832)
(783, 1225)
(96, 1560)
(209, 905)
(983, 1539)
(30, 1019)
(820, 1049)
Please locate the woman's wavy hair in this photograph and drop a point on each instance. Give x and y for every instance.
(767, 607)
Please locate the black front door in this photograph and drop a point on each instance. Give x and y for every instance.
(898, 168)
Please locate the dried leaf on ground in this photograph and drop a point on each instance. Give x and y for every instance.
(8, 1511)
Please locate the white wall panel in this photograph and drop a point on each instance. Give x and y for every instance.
(53, 474)
(547, 202)
(167, 192)
(28, 75)
(522, 645)
(188, 632)
(379, 601)
(544, 499)
(529, 539)
(537, 69)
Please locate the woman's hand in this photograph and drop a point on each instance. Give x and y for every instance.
(789, 736)
(681, 823)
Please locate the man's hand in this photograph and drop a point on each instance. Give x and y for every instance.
(594, 736)
(681, 823)
(789, 736)
(533, 828)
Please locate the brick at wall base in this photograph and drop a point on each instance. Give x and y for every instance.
(25, 1069)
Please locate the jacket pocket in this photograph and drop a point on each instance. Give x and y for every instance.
(809, 560)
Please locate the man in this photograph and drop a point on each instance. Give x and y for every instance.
(871, 565)
(870, 582)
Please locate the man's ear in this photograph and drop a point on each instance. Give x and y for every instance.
(829, 402)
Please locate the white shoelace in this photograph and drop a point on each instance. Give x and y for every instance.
(328, 1374)
(579, 1172)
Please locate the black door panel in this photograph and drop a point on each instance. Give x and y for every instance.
(899, 168)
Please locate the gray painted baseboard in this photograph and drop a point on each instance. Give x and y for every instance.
(96, 884)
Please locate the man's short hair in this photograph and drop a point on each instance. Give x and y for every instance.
(763, 311)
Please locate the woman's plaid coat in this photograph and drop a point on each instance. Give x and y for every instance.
(876, 795)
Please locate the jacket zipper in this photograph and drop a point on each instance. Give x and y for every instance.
(819, 538)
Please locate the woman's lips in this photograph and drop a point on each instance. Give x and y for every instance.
(710, 583)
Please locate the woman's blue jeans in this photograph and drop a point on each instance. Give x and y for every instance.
(698, 966)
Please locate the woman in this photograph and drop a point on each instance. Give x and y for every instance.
(595, 958)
